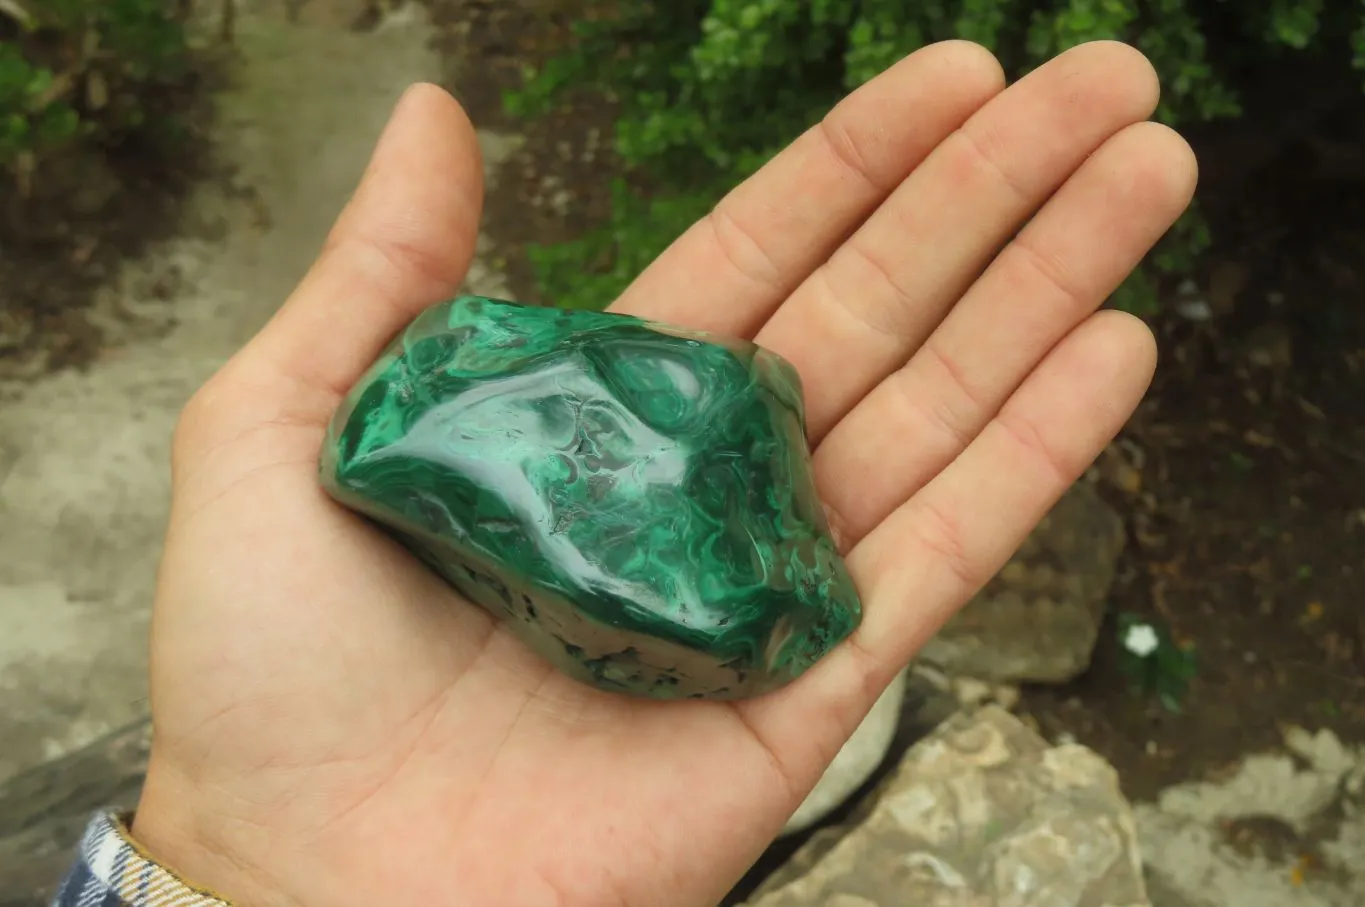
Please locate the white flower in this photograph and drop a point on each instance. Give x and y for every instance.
(1141, 640)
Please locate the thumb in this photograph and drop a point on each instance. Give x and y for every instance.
(403, 243)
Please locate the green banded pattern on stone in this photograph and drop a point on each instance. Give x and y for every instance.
(635, 499)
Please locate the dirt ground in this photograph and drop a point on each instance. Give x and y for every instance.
(1244, 489)
(87, 211)
(1242, 478)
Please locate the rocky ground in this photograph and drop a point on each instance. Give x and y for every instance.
(1230, 511)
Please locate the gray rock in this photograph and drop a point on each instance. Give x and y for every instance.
(1038, 618)
(44, 810)
(1285, 829)
(981, 813)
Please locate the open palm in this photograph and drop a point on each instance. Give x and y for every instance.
(333, 726)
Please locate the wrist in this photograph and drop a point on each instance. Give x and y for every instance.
(172, 829)
(112, 869)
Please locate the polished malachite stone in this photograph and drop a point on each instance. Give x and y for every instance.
(636, 500)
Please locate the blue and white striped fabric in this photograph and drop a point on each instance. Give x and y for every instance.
(110, 871)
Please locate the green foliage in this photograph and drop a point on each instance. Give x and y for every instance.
(710, 89)
(1155, 664)
(74, 70)
(27, 119)
(641, 225)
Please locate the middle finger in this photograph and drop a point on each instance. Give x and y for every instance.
(861, 314)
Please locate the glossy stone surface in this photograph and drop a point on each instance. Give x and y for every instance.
(635, 500)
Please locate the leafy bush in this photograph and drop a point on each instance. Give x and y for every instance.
(74, 70)
(710, 89)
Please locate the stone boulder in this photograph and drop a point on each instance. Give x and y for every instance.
(981, 813)
(1284, 828)
(44, 810)
(1037, 620)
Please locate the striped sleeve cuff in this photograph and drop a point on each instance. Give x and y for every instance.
(111, 871)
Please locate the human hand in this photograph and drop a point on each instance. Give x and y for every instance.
(334, 726)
